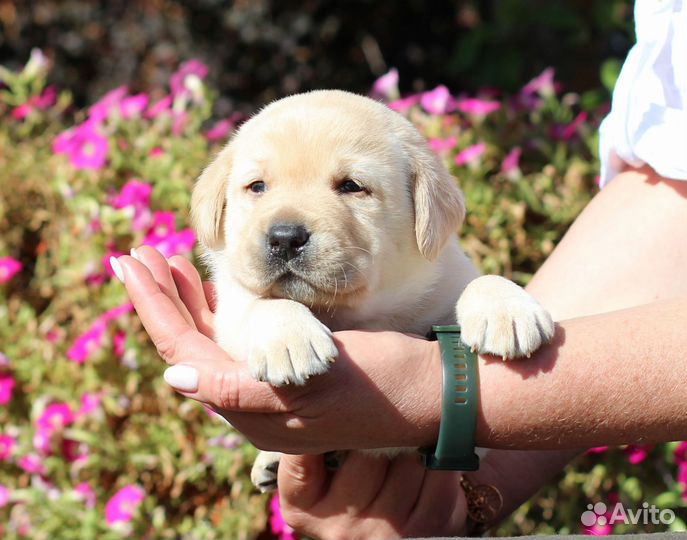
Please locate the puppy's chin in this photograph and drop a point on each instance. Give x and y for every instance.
(296, 288)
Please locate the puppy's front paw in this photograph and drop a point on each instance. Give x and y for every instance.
(498, 317)
(287, 344)
(265, 470)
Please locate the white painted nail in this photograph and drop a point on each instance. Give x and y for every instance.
(184, 378)
(117, 269)
(135, 254)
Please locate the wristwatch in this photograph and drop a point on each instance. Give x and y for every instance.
(455, 448)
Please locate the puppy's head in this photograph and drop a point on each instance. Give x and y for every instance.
(320, 195)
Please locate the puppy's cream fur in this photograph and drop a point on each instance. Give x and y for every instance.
(385, 258)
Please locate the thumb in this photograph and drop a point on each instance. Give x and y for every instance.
(224, 385)
(302, 481)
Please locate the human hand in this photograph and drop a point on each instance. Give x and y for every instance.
(383, 391)
(370, 497)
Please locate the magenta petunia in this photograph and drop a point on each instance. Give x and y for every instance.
(42, 102)
(116, 312)
(85, 146)
(85, 493)
(637, 453)
(90, 402)
(178, 80)
(9, 267)
(134, 193)
(220, 130)
(4, 496)
(121, 507)
(471, 154)
(386, 87)
(542, 84)
(161, 106)
(567, 132)
(680, 453)
(404, 104)
(7, 384)
(133, 106)
(100, 110)
(443, 145)
(597, 450)
(32, 464)
(56, 416)
(280, 529)
(438, 101)
(511, 163)
(477, 107)
(7, 446)
(87, 343)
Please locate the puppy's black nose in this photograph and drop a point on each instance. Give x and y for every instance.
(287, 240)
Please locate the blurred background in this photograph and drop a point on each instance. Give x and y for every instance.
(108, 112)
(258, 50)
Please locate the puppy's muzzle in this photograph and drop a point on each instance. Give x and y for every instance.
(287, 241)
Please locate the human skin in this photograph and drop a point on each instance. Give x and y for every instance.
(609, 260)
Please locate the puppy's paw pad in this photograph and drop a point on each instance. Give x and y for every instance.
(263, 475)
(498, 317)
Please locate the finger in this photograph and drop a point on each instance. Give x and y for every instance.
(440, 506)
(172, 334)
(161, 272)
(210, 295)
(212, 377)
(402, 487)
(192, 293)
(302, 482)
(358, 481)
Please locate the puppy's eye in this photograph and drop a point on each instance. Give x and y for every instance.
(349, 186)
(257, 187)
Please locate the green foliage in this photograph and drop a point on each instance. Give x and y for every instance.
(58, 219)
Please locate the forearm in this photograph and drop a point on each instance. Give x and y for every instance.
(606, 379)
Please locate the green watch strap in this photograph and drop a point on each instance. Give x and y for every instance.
(455, 448)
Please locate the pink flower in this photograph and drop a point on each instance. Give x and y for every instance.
(179, 123)
(219, 131)
(121, 507)
(682, 479)
(90, 403)
(7, 384)
(511, 163)
(4, 361)
(135, 194)
(7, 446)
(42, 441)
(56, 416)
(477, 107)
(597, 450)
(404, 104)
(46, 100)
(279, 527)
(178, 80)
(542, 84)
(86, 148)
(87, 343)
(4, 496)
(638, 453)
(100, 110)
(119, 343)
(85, 493)
(116, 312)
(437, 101)
(443, 145)
(471, 154)
(565, 133)
(386, 87)
(160, 107)
(164, 237)
(680, 453)
(31, 463)
(133, 105)
(156, 152)
(9, 267)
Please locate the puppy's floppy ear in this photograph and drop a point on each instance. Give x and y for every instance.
(439, 204)
(209, 197)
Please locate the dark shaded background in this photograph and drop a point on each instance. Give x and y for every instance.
(259, 50)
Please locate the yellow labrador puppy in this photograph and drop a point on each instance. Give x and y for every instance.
(328, 211)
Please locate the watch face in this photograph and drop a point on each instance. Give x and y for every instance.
(484, 503)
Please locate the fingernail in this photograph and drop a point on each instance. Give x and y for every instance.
(182, 377)
(135, 254)
(117, 269)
